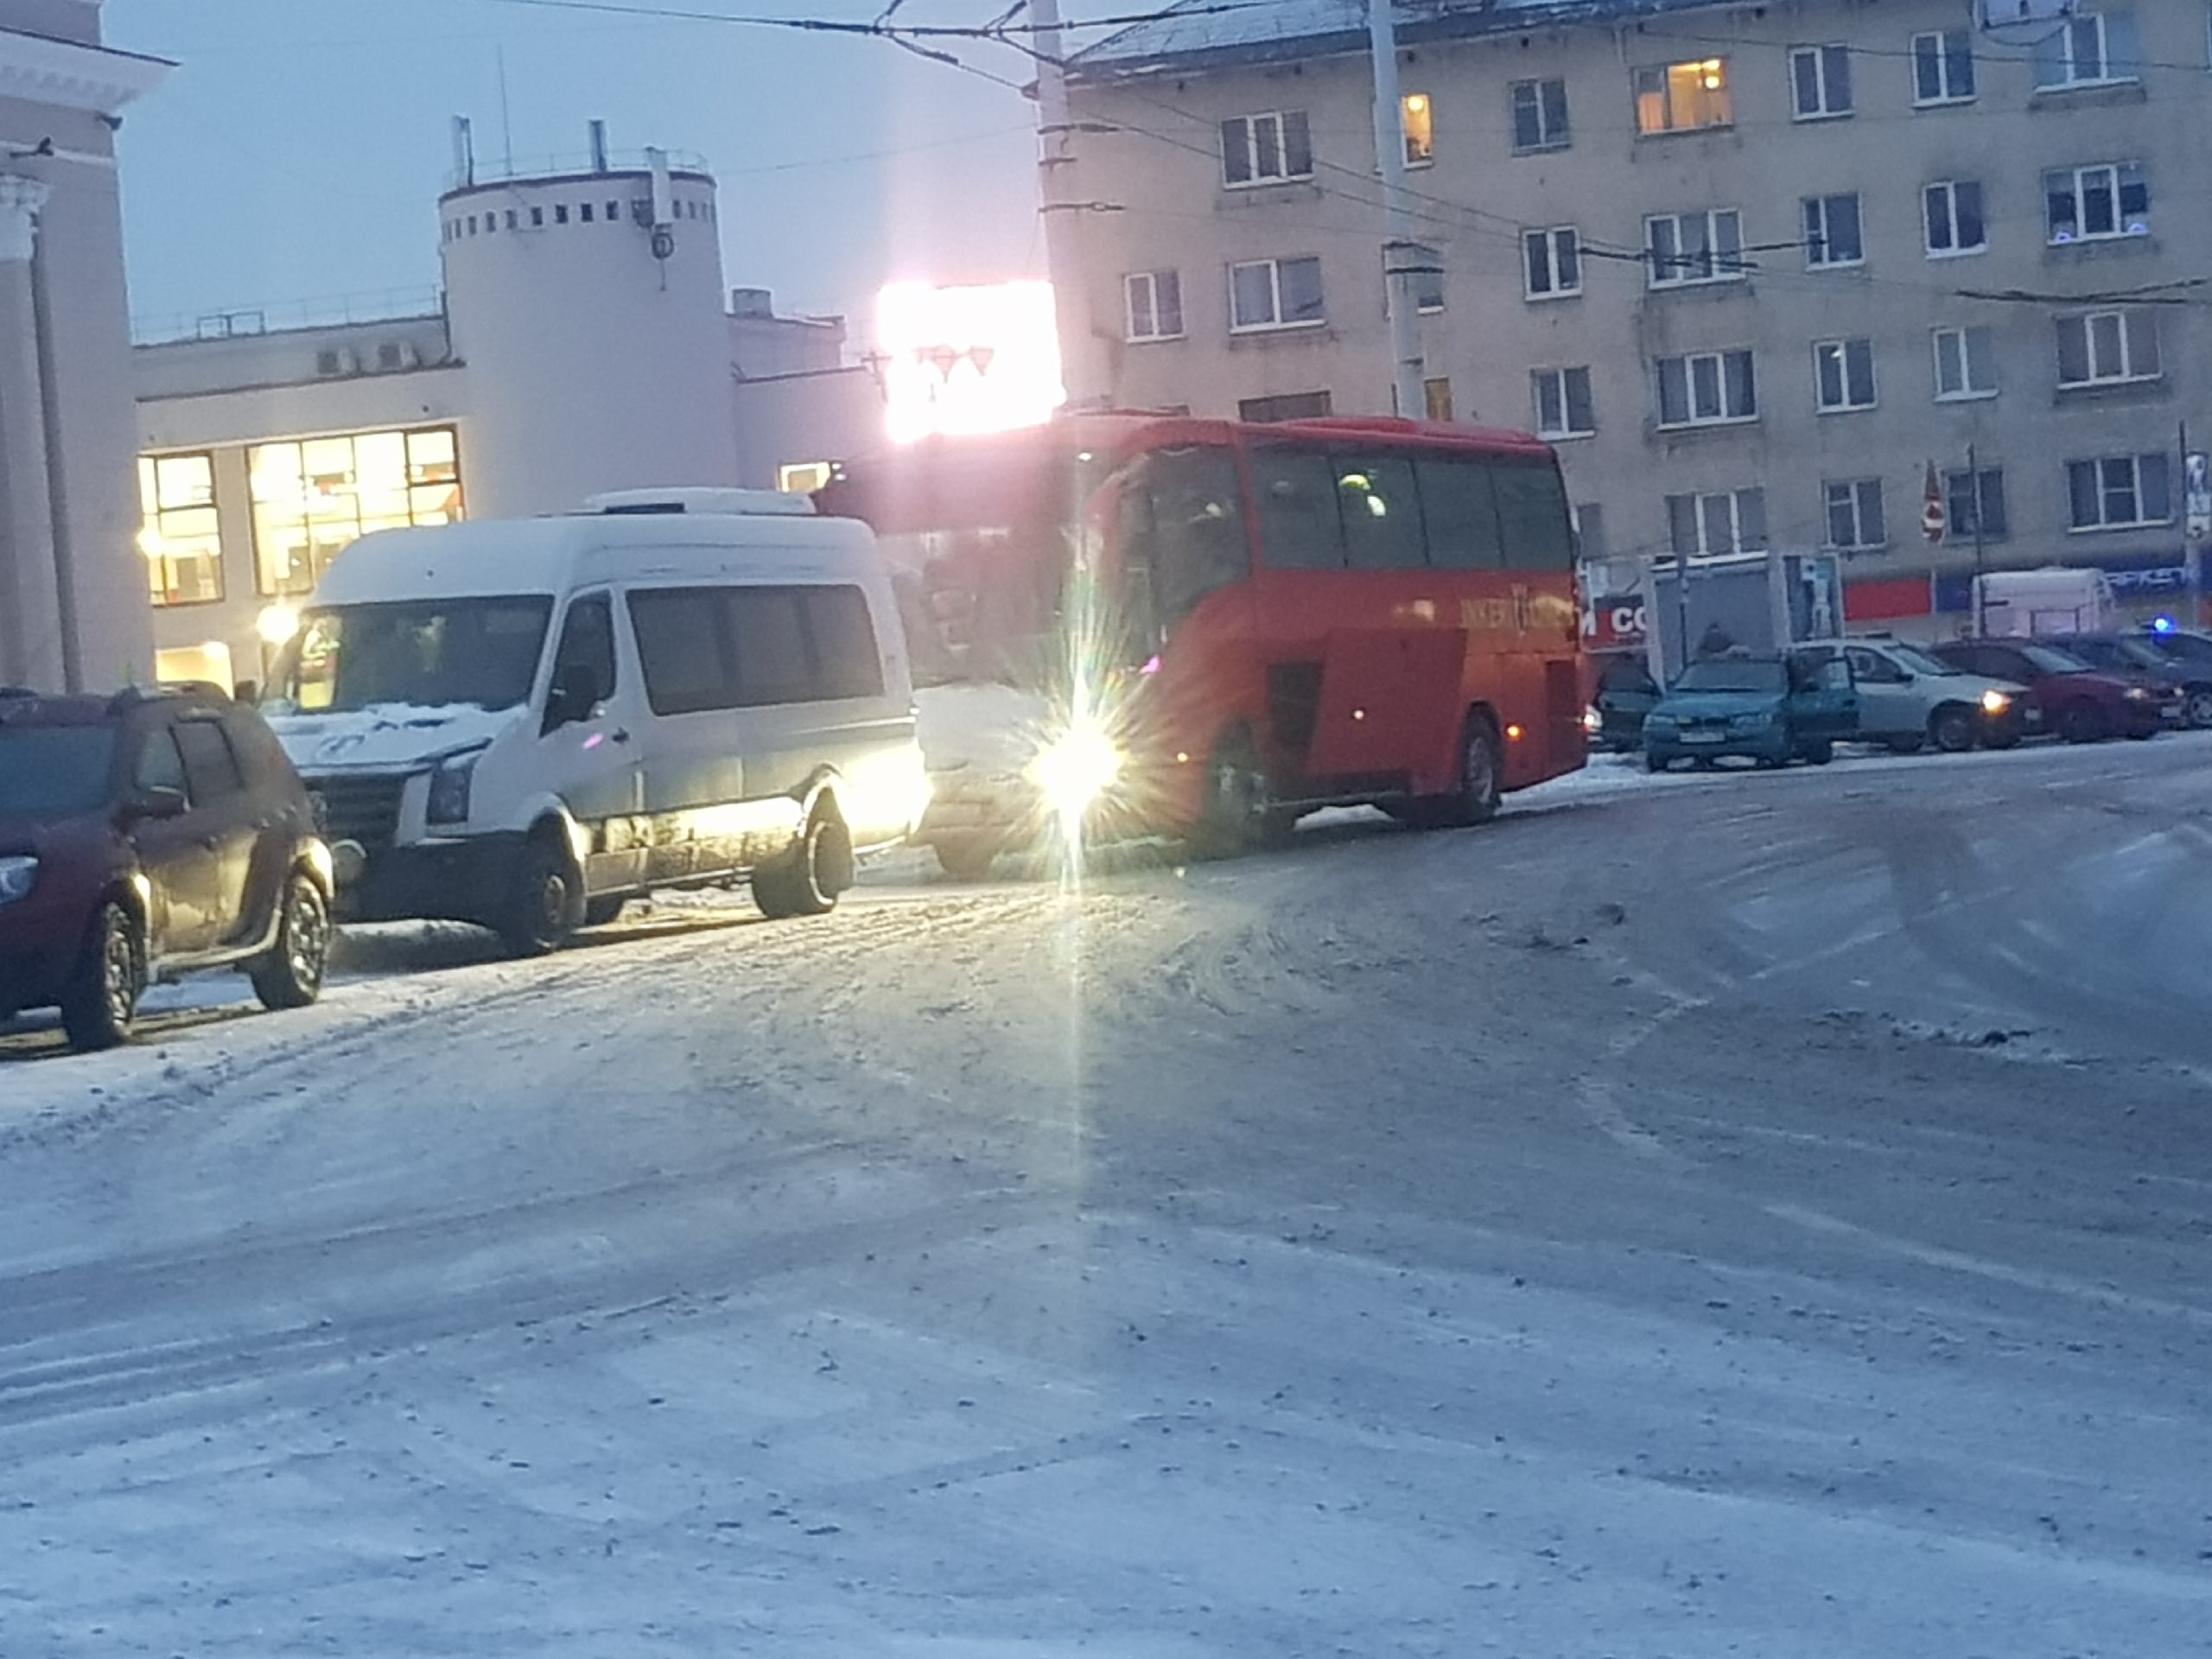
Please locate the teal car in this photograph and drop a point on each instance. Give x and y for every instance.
(1770, 710)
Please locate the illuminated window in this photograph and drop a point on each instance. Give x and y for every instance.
(314, 497)
(802, 477)
(1436, 397)
(1418, 119)
(178, 532)
(1683, 97)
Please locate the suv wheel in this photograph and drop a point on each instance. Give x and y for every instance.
(101, 999)
(290, 975)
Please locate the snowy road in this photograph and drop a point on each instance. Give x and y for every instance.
(1763, 1215)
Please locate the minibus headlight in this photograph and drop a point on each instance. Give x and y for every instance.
(1076, 767)
(449, 787)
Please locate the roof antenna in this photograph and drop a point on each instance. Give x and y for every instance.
(506, 127)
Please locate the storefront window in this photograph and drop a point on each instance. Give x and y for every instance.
(311, 497)
(177, 529)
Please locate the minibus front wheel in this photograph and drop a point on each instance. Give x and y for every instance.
(547, 906)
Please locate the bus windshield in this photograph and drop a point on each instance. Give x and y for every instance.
(427, 653)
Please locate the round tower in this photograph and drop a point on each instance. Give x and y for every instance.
(587, 305)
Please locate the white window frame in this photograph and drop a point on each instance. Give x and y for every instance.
(1720, 267)
(2065, 52)
(1946, 191)
(1716, 365)
(1831, 88)
(1417, 108)
(1710, 509)
(2082, 179)
(2134, 465)
(1954, 349)
(1657, 79)
(1149, 283)
(2119, 346)
(1943, 58)
(1546, 138)
(1255, 179)
(1842, 353)
(1275, 267)
(1817, 243)
(1551, 239)
(1561, 385)
(1853, 496)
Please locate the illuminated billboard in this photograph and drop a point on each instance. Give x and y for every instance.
(985, 358)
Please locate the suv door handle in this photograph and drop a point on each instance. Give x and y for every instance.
(619, 735)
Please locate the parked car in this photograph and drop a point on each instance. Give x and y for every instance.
(2183, 657)
(1772, 709)
(1626, 694)
(2077, 702)
(2124, 658)
(144, 835)
(1907, 699)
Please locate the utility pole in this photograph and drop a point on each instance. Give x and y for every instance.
(1401, 253)
(1973, 494)
(1063, 236)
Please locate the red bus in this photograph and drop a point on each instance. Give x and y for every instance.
(1151, 624)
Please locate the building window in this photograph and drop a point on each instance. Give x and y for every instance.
(1539, 115)
(1832, 235)
(1417, 120)
(1152, 303)
(1551, 263)
(1843, 375)
(1854, 515)
(311, 497)
(1686, 248)
(1820, 82)
(1428, 289)
(1975, 504)
(1589, 530)
(1965, 367)
(1942, 67)
(2102, 348)
(178, 532)
(804, 477)
(1683, 97)
(1286, 406)
(2086, 203)
(1951, 214)
(1706, 389)
(1562, 401)
(2090, 50)
(1265, 149)
(2116, 492)
(1274, 294)
(583, 211)
(559, 212)
(1726, 521)
(1436, 399)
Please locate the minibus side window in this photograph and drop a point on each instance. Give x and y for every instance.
(679, 635)
(847, 662)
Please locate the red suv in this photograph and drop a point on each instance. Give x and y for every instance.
(2079, 703)
(144, 836)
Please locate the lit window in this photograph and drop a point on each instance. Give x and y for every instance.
(2089, 50)
(1563, 402)
(2085, 204)
(1417, 119)
(1832, 235)
(1153, 302)
(178, 529)
(804, 477)
(2101, 347)
(1942, 67)
(1964, 366)
(1539, 115)
(1265, 149)
(1708, 389)
(1951, 212)
(1551, 263)
(2118, 491)
(1820, 82)
(311, 499)
(1843, 375)
(1683, 97)
(1274, 294)
(1436, 397)
(1854, 515)
(1706, 247)
(1723, 521)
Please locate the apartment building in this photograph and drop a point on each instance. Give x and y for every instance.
(1921, 283)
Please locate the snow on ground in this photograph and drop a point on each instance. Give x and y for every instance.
(1689, 1216)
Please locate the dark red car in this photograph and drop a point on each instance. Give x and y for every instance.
(144, 835)
(2078, 702)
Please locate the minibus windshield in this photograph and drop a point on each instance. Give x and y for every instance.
(425, 653)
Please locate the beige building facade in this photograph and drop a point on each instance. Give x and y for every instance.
(1762, 272)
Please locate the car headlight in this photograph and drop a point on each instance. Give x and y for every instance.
(1593, 721)
(1751, 722)
(16, 876)
(2138, 694)
(1660, 722)
(1076, 767)
(1994, 702)
(449, 787)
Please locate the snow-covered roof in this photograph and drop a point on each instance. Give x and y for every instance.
(1200, 33)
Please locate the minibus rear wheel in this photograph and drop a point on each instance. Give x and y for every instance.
(806, 881)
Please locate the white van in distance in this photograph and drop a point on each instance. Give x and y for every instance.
(524, 724)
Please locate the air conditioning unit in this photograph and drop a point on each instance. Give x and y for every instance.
(394, 355)
(337, 360)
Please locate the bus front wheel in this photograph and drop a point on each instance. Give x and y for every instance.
(1237, 813)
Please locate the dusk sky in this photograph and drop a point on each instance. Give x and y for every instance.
(297, 152)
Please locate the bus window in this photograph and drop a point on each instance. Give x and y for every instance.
(1380, 511)
(1297, 495)
(1197, 532)
(1532, 516)
(1461, 511)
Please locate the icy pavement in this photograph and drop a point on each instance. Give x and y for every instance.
(1690, 1217)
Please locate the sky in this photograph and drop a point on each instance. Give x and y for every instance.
(297, 154)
